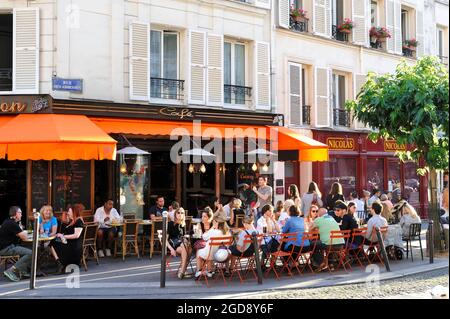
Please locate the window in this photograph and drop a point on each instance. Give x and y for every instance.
(374, 13)
(234, 73)
(338, 91)
(337, 14)
(375, 174)
(405, 25)
(342, 170)
(6, 52)
(440, 42)
(164, 65)
(296, 3)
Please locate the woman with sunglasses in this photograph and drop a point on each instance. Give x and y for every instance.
(176, 231)
(313, 213)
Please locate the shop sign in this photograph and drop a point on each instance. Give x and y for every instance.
(341, 143)
(178, 113)
(393, 146)
(23, 104)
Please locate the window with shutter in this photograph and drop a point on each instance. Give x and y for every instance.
(235, 90)
(215, 90)
(262, 70)
(26, 51)
(197, 69)
(295, 93)
(139, 61)
(360, 10)
(397, 36)
(321, 17)
(322, 89)
(284, 13)
(390, 21)
(6, 52)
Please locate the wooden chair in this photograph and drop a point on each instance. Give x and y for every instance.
(216, 242)
(305, 254)
(188, 226)
(414, 234)
(89, 242)
(356, 251)
(250, 262)
(340, 251)
(129, 238)
(88, 219)
(129, 216)
(284, 256)
(374, 247)
(152, 238)
(10, 259)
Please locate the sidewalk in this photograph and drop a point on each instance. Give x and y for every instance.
(138, 279)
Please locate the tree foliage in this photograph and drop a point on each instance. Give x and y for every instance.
(411, 107)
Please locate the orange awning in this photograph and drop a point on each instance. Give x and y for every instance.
(54, 137)
(4, 119)
(309, 149)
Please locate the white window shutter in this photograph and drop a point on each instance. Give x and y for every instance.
(322, 89)
(197, 67)
(295, 93)
(358, 81)
(283, 13)
(420, 33)
(139, 61)
(214, 89)
(397, 36)
(320, 17)
(265, 4)
(390, 22)
(361, 30)
(26, 51)
(262, 83)
(328, 23)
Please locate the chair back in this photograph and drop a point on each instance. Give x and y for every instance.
(90, 233)
(383, 232)
(339, 234)
(312, 237)
(221, 241)
(130, 229)
(248, 239)
(286, 238)
(414, 230)
(188, 220)
(129, 216)
(88, 219)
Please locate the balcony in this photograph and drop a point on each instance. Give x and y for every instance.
(339, 35)
(306, 114)
(236, 94)
(408, 52)
(444, 60)
(341, 117)
(5, 79)
(299, 25)
(168, 89)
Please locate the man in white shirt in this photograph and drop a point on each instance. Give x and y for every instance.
(104, 216)
(375, 221)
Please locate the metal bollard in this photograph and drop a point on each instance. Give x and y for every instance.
(257, 260)
(34, 256)
(163, 251)
(431, 240)
(383, 249)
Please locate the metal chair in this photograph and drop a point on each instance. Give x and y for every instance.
(414, 234)
(9, 259)
(89, 242)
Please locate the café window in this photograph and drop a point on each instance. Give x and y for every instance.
(164, 71)
(375, 174)
(6, 52)
(412, 183)
(342, 170)
(394, 181)
(235, 91)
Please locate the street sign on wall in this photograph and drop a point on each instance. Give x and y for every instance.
(71, 85)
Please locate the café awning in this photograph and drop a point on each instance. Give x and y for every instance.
(309, 150)
(54, 137)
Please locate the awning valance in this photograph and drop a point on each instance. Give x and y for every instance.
(54, 137)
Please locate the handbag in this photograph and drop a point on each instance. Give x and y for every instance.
(222, 254)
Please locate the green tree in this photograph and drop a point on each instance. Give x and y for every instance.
(411, 106)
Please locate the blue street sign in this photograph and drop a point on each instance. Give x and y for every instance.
(72, 85)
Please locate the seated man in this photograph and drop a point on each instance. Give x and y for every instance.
(375, 221)
(157, 209)
(10, 233)
(104, 216)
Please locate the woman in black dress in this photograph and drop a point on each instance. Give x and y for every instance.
(334, 195)
(67, 247)
(176, 231)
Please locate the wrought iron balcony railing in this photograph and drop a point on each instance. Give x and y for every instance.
(338, 35)
(444, 59)
(299, 26)
(236, 94)
(306, 114)
(341, 117)
(408, 52)
(170, 89)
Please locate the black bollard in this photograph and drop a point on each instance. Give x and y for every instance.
(34, 255)
(383, 249)
(163, 251)
(431, 240)
(257, 260)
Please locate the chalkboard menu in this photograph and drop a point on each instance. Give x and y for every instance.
(39, 184)
(71, 184)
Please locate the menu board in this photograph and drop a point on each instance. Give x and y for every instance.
(71, 184)
(39, 184)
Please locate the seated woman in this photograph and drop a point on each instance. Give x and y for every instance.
(267, 225)
(67, 247)
(48, 223)
(386, 213)
(206, 254)
(313, 213)
(235, 209)
(284, 215)
(349, 221)
(176, 230)
(295, 224)
(202, 227)
(409, 217)
(240, 248)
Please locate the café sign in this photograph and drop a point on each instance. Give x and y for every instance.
(393, 146)
(341, 143)
(23, 104)
(177, 113)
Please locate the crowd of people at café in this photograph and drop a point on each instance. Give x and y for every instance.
(312, 211)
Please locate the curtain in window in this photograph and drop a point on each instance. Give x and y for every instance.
(155, 63)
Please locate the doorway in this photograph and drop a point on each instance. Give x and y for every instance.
(13, 187)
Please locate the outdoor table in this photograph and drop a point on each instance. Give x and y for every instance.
(144, 222)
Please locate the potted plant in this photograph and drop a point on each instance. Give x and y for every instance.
(411, 44)
(346, 26)
(298, 14)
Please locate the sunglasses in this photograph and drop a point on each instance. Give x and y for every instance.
(314, 211)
